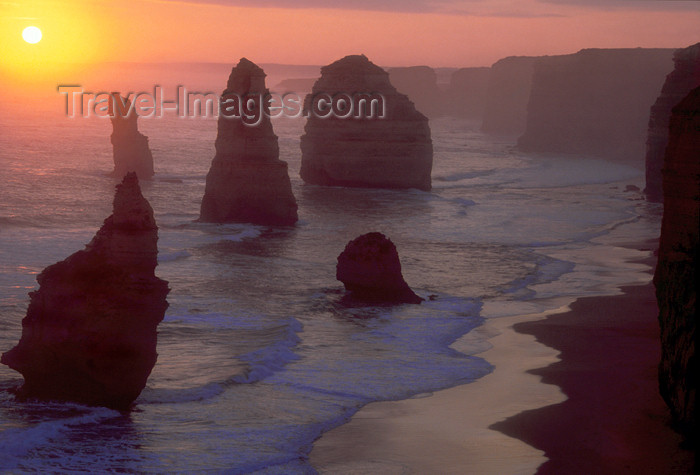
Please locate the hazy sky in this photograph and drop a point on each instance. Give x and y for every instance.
(389, 32)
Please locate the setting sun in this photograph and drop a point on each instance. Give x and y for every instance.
(31, 34)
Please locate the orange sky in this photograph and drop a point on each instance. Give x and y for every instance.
(391, 32)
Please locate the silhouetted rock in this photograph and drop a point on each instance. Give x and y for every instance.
(677, 271)
(508, 93)
(247, 182)
(594, 102)
(395, 151)
(129, 146)
(684, 78)
(370, 269)
(419, 83)
(466, 95)
(90, 331)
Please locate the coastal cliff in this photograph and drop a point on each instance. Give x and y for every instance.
(507, 95)
(676, 276)
(594, 102)
(89, 335)
(684, 77)
(130, 148)
(247, 182)
(391, 148)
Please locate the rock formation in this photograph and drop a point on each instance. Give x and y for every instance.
(467, 92)
(129, 146)
(370, 269)
(507, 95)
(247, 182)
(684, 77)
(678, 268)
(364, 150)
(90, 331)
(594, 102)
(419, 83)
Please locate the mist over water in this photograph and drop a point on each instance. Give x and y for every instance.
(256, 355)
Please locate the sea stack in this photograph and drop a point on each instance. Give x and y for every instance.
(508, 92)
(90, 331)
(370, 269)
(684, 77)
(347, 145)
(678, 268)
(419, 83)
(595, 102)
(247, 182)
(129, 146)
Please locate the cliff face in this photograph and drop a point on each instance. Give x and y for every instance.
(419, 83)
(129, 147)
(90, 331)
(467, 92)
(247, 182)
(370, 269)
(677, 272)
(395, 151)
(684, 77)
(595, 102)
(507, 96)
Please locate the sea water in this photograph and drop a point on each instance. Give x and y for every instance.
(257, 356)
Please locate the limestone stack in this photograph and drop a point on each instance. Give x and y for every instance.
(391, 148)
(507, 95)
(678, 268)
(419, 83)
(90, 331)
(370, 269)
(247, 182)
(130, 148)
(684, 78)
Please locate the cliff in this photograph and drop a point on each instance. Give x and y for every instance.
(370, 269)
(677, 271)
(507, 95)
(247, 182)
(90, 331)
(594, 102)
(129, 147)
(684, 77)
(419, 83)
(467, 92)
(351, 146)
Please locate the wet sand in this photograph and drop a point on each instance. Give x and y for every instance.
(608, 417)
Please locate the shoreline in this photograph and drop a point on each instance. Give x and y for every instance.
(614, 420)
(574, 390)
(448, 431)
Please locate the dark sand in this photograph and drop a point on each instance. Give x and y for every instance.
(614, 420)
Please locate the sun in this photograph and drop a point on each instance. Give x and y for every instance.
(31, 34)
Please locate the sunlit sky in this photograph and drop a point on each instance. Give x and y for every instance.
(453, 33)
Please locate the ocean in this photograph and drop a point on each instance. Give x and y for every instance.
(257, 356)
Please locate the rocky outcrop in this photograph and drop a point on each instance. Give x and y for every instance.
(90, 331)
(507, 96)
(390, 148)
(419, 83)
(129, 146)
(594, 102)
(684, 78)
(467, 93)
(677, 271)
(370, 269)
(247, 182)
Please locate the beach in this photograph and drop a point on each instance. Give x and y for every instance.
(578, 386)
